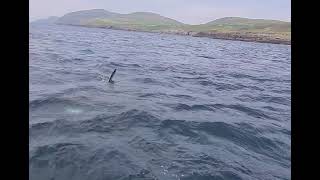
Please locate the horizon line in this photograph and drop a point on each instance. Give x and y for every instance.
(160, 15)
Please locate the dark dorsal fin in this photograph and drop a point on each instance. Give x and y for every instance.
(110, 79)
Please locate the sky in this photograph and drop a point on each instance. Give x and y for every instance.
(186, 11)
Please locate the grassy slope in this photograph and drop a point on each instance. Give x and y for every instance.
(137, 21)
(244, 26)
(145, 21)
(82, 17)
(234, 24)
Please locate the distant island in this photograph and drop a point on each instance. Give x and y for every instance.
(230, 28)
(49, 20)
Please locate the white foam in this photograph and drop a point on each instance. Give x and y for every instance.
(74, 111)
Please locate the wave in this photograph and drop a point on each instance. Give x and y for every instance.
(185, 107)
(101, 123)
(150, 81)
(51, 100)
(241, 134)
(114, 64)
(138, 130)
(222, 86)
(258, 79)
(220, 175)
(183, 96)
(59, 40)
(171, 117)
(255, 113)
(72, 60)
(208, 57)
(76, 161)
(152, 95)
(87, 51)
(191, 78)
(265, 98)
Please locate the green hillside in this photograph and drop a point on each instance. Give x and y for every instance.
(85, 16)
(236, 28)
(244, 25)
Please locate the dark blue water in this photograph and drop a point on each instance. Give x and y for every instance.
(180, 108)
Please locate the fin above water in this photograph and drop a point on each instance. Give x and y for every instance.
(110, 79)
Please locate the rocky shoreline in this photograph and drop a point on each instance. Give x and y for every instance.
(234, 36)
(249, 37)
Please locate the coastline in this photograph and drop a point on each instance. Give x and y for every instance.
(235, 36)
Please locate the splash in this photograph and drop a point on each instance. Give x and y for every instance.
(73, 110)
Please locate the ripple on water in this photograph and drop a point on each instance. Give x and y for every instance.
(181, 107)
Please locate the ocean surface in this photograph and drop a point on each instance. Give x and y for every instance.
(181, 107)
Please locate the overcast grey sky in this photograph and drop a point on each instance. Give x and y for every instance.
(187, 11)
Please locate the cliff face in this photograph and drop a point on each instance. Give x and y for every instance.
(231, 28)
